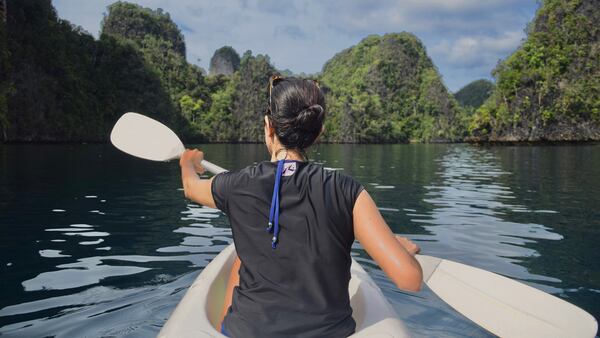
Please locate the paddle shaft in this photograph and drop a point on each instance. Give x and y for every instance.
(211, 167)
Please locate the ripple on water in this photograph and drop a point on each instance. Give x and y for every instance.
(469, 208)
(88, 234)
(98, 241)
(91, 270)
(49, 253)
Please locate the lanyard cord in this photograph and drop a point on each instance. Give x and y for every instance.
(273, 225)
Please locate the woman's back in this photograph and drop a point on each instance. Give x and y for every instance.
(301, 286)
(294, 282)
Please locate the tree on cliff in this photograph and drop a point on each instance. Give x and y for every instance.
(549, 89)
(161, 44)
(135, 23)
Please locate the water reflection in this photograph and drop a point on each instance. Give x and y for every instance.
(201, 243)
(470, 216)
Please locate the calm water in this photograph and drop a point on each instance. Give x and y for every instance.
(96, 243)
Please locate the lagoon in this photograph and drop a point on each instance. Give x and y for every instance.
(95, 243)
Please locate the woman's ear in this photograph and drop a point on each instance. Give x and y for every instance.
(269, 130)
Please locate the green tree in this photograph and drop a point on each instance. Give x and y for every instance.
(549, 89)
(190, 108)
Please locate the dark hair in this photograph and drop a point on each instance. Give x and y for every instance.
(297, 111)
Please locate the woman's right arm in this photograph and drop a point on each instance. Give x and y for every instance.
(381, 244)
(195, 188)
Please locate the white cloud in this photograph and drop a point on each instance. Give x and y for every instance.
(477, 51)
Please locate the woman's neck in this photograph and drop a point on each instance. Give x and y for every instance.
(287, 154)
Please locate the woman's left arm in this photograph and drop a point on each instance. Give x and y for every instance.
(195, 188)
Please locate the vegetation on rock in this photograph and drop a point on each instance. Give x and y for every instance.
(386, 89)
(474, 94)
(549, 89)
(4, 83)
(57, 83)
(136, 23)
(66, 86)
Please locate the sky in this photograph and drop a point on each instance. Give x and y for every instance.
(464, 38)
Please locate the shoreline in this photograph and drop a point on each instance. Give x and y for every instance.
(477, 143)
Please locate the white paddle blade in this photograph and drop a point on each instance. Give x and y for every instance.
(145, 138)
(503, 306)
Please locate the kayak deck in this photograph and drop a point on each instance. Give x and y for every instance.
(199, 312)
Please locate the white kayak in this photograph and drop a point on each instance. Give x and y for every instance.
(198, 313)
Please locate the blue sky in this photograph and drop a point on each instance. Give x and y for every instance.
(465, 38)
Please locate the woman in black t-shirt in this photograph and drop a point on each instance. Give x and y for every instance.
(293, 225)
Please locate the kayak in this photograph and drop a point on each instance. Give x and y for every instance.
(504, 307)
(199, 312)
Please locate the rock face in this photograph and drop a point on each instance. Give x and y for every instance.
(224, 61)
(549, 89)
(386, 89)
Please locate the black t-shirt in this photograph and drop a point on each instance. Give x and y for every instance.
(301, 287)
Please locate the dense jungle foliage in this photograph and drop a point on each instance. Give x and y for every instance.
(4, 83)
(66, 86)
(549, 89)
(386, 89)
(474, 94)
(58, 83)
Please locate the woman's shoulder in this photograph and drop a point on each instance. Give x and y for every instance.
(336, 176)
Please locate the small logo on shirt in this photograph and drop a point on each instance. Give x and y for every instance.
(289, 169)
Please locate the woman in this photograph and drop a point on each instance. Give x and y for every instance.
(293, 225)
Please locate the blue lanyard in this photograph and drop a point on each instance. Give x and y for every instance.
(273, 225)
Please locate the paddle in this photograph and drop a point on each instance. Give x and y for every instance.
(502, 306)
(143, 137)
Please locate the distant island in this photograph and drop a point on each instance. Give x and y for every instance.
(59, 84)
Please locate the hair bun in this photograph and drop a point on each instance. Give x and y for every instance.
(310, 116)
